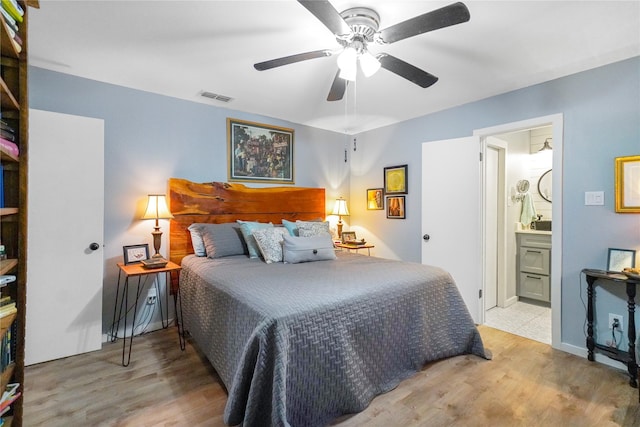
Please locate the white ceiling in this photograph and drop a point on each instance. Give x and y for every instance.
(180, 48)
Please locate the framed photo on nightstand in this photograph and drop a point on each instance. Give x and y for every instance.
(135, 254)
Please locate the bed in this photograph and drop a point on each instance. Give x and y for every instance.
(299, 344)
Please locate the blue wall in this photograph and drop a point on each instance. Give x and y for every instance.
(601, 109)
(151, 137)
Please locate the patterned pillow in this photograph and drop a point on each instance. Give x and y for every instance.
(307, 249)
(247, 228)
(269, 241)
(310, 229)
(221, 240)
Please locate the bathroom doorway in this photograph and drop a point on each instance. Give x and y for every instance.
(511, 155)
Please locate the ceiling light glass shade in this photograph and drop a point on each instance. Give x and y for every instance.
(349, 73)
(347, 58)
(369, 64)
(347, 62)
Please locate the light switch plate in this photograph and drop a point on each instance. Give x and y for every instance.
(594, 198)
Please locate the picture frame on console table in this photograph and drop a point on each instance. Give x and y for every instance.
(627, 181)
(619, 259)
(259, 153)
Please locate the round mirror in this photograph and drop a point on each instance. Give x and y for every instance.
(544, 186)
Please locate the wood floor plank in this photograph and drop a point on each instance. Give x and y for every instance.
(526, 384)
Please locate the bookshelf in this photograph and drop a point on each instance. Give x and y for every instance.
(13, 210)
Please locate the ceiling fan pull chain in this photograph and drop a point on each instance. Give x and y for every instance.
(354, 144)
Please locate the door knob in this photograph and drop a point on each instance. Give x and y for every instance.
(426, 237)
(94, 246)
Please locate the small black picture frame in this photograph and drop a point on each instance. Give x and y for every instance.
(134, 254)
(396, 207)
(619, 259)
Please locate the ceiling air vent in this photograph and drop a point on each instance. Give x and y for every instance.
(216, 96)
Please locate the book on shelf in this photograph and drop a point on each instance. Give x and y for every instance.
(5, 126)
(9, 147)
(8, 309)
(8, 19)
(14, 9)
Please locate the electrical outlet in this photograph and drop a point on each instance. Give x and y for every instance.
(152, 296)
(613, 318)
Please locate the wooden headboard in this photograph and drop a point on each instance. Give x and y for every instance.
(219, 202)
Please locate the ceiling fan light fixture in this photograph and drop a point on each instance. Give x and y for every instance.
(349, 72)
(347, 59)
(369, 64)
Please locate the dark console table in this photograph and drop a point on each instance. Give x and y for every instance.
(628, 357)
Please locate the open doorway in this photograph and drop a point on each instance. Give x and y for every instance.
(520, 298)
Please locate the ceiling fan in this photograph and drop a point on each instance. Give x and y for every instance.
(355, 28)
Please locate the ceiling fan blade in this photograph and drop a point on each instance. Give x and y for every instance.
(338, 88)
(328, 15)
(453, 14)
(286, 60)
(406, 70)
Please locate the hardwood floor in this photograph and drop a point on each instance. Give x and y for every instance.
(526, 384)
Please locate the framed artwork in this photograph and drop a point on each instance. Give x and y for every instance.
(395, 180)
(627, 184)
(134, 254)
(619, 259)
(259, 153)
(348, 235)
(375, 199)
(395, 207)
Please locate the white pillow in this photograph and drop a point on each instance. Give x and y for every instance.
(307, 249)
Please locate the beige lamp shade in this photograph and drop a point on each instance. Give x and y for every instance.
(157, 207)
(340, 208)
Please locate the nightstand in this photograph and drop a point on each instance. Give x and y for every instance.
(136, 270)
(356, 248)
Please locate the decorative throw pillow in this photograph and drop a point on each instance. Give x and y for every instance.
(310, 229)
(221, 240)
(196, 240)
(269, 241)
(291, 227)
(307, 249)
(247, 228)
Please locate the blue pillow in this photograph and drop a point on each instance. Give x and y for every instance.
(247, 228)
(291, 227)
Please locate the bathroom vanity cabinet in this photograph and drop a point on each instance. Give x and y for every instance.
(533, 265)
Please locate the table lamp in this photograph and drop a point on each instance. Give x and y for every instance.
(157, 209)
(340, 209)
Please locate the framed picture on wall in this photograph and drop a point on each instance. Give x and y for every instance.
(395, 207)
(619, 259)
(135, 254)
(259, 153)
(627, 182)
(395, 180)
(375, 199)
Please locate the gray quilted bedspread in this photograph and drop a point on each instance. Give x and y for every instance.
(301, 344)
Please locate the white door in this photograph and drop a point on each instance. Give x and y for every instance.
(451, 214)
(491, 225)
(66, 209)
